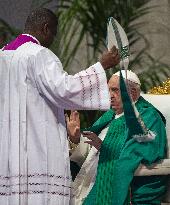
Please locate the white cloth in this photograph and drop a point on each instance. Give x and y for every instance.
(87, 174)
(131, 76)
(34, 91)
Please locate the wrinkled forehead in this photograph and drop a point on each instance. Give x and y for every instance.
(114, 81)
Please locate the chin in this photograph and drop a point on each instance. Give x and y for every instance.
(113, 107)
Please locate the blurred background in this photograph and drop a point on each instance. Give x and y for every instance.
(82, 33)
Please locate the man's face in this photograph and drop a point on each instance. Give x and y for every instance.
(114, 89)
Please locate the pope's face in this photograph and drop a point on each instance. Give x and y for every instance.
(114, 89)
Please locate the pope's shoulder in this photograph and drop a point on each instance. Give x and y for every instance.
(149, 111)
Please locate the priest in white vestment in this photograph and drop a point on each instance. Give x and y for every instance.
(34, 91)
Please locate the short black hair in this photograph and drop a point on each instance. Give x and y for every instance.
(39, 17)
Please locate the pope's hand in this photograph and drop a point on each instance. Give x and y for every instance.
(73, 126)
(95, 141)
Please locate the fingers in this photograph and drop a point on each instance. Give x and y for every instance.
(77, 130)
(115, 54)
(89, 142)
(97, 145)
(71, 115)
(91, 136)
(110, 58)
(74, 115)
(67, 118)
(116, 58)
(114, 49)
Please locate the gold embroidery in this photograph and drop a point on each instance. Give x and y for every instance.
(161, 90)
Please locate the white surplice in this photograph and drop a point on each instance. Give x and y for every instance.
(34, 91)
(87, 158)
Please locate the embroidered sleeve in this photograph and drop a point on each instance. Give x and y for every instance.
(85, 90)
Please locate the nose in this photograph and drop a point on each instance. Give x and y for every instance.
(112, 94)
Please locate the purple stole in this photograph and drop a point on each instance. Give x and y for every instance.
(21, 39)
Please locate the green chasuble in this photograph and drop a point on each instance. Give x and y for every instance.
(120, 156)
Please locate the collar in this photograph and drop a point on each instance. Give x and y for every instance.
(119, 115)
(25, 34)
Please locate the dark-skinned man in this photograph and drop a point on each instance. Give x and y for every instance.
(34, 92)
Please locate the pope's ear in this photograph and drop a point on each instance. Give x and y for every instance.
(134, 94)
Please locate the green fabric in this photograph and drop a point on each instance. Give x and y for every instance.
(130, 117)
(121, 155)
(143, 192)
(102, 122)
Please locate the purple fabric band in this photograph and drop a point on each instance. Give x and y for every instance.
(21, 39)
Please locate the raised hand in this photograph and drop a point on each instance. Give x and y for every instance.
(73, 126)
(95, 141)
(110, 58)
